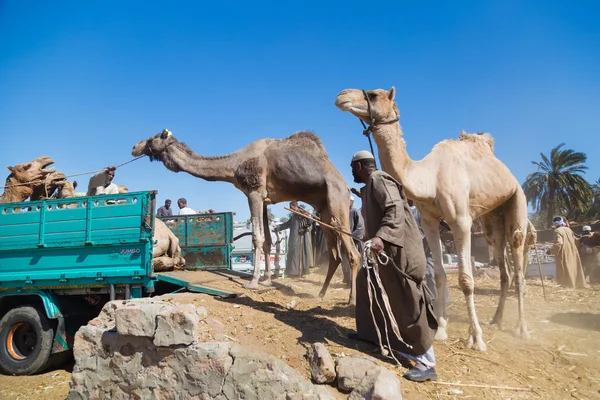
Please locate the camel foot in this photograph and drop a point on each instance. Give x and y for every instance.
(522, 332)
(253, 284)
(266, 282)
(321, 294)
(440, 334)
(476, 343)
(352, 302)
(496, 321)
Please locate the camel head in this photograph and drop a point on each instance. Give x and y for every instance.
(383, 107)
(155, 146)
(48, 186)
(66, 190)
(25, 177)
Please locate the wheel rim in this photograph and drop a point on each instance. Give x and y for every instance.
(21, 341)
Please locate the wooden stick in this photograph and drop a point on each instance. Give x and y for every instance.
(540, 267)
(486, 386)
(319, 221)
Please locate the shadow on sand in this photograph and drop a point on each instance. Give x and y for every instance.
(580, 320)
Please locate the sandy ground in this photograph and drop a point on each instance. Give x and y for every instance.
(560, 361)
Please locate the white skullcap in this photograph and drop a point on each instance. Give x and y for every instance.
(352, 198)
(586, 228)
(362, 155)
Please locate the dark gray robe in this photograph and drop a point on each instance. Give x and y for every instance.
(299, 252)
(357, 228)
(387, 215)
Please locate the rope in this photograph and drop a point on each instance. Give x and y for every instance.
(382, 259)
(70, 176)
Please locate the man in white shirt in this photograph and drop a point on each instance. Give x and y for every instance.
(183, 208)
(101, 183)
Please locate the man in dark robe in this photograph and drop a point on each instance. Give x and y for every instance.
(357, 229)
(321, 254)
(299, 253)
(391, 228)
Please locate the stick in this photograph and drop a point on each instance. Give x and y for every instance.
(486, 386)
(540, 267)
(319, 221)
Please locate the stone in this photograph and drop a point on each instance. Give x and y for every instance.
(138, 319)
(378, 384)
(109, 364)
(322, 367)
(177, 326)
(257, 375)
(351, 370)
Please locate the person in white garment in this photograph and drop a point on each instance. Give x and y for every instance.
(183, 208)
(102, 183)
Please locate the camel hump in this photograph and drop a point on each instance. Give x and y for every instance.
(303, 136)
(480, 137)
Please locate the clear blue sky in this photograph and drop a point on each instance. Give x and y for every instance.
(82, 81)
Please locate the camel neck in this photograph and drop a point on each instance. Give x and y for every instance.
(218, 168)
(15, 195)
(393, 156)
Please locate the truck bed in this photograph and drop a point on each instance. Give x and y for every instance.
(77, 242)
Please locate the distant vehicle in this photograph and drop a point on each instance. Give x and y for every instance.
(450, 263)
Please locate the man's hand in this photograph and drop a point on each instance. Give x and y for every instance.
(377, 244)
(355, 191)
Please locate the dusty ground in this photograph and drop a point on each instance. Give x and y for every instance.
(560, 361)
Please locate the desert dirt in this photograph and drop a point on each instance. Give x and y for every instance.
(560, 361)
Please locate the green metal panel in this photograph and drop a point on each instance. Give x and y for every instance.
(205, 239)
(102, 240)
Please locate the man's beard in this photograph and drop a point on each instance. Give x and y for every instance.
(356, 178)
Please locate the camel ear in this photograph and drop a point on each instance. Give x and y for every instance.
(10, 169)
(392, 94)
(74, 185)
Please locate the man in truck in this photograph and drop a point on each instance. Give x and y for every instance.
(102, 183)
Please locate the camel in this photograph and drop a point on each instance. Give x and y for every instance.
(270, 171)
(24, 178)
(46, 189)
(166, 250)
(458, 181)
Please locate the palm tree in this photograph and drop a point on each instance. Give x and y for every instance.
(558, 184)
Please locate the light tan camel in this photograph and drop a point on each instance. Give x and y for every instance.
(48, 186)
(270, 171)
(165, 250)
(458, 181)
(24, 178)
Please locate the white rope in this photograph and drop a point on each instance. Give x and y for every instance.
(372, 287)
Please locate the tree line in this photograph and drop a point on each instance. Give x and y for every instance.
(559, 187)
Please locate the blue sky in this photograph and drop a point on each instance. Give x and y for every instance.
(84, 81)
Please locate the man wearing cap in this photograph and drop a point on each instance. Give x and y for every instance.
(165, 211)
(183, 207)
(569, 272)
(391, 228)
(299, 257)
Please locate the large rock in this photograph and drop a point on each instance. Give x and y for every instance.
(351, 371)
(322, 367)
(112, 365)
(379, 384)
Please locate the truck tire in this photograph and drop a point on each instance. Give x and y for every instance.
(26, 339)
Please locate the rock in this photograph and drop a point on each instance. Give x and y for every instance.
(176, 326)
(351, 370)
(322, 367)
(172, 365)
(257, 375)
(138, 319)
(378, 384)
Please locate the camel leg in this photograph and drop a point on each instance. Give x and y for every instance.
(255, 201)
(353, 258)
(462, 236)
(335, 258)
(432, 234)
(266, 281)
(494, 225)
(516, 233)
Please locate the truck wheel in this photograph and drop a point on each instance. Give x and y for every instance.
(26, 339)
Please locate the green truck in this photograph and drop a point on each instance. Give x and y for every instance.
(61, 260)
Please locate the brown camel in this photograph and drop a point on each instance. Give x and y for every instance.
(270, 171)
(48, 186)
(458, 181)
(166, 250)
(24, 178)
